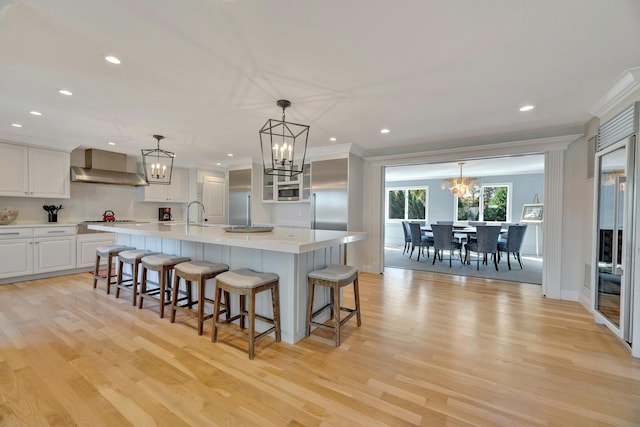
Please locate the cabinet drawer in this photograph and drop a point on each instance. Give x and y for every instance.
(54, 231)
(16, 233)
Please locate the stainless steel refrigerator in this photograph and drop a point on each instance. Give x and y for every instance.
(329, 194)
(240, 197)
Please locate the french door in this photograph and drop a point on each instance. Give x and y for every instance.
(614, 236)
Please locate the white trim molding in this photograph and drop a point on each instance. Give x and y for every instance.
(628, 83)
(552, 229)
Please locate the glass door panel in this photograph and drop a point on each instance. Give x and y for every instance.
(611, 236)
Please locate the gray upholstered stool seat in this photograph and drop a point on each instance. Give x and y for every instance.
(163, 264)
(245, 283)
(133, 258)
(107, 252)
(200, 272)
(333, 277)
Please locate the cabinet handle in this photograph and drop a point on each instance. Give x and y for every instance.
(9, 234)
(56, 231)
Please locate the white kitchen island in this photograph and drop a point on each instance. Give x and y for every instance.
(288, 252)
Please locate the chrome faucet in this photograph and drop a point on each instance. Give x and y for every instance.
(199, 203)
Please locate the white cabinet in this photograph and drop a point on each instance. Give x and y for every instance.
(54, 249)
(86, 245)
(25, 251)
(33, 172)
(176, 192)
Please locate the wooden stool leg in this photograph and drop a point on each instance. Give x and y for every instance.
(95, 272)
(227, 305)
(243, 311)
(174, 297)
(134, 281)
(216, 313)
(275, 302)
(143, 285)
(200, 305)
(189, 285)
(252, 322)
(119, 278)
(109, 263)
(163, 275)
(356, 295)
(336, 313)
(310, 306)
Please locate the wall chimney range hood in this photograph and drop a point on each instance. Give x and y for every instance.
(106, 167)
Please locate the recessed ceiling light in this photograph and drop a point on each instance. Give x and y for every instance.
(111, 143)
(385, 130)
(332, 139)
(35, 113)
(230, 154)
(65, 92)
(112, 59)
(527, 108)
(16, 125)
(218, 164)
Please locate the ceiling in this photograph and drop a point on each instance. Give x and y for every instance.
(206, 74)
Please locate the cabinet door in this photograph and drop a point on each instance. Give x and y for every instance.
(49, 173)
(86, 249)
(16, 257)
(155, 193)
(14, 170)
(268, 188)
(179, 188)
(54, 254)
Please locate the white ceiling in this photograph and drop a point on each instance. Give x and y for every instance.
(207, 73)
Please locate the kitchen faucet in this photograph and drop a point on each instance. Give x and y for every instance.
(189, 205)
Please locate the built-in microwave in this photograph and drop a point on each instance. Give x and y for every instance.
(288, 192)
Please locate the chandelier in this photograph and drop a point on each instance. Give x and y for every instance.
(278, 139)
(158, 164)
(460, 187)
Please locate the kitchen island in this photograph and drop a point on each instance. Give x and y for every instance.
(290, 253)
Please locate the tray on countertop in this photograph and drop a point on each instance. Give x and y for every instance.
(247, 229)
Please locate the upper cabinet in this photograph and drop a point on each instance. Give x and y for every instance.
(33, 172)
(176, 192)
(284, 189)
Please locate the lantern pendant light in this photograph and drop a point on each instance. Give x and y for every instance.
(158, 164)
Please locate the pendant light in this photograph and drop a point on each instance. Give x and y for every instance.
(460, 187)
(283, 145)
(158, 164)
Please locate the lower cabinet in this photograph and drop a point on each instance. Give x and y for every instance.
(16, 257)
(54, 254)
(87, 244)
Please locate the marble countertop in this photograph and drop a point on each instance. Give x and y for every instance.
(280, 239)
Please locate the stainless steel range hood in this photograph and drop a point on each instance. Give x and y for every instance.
(106, 167)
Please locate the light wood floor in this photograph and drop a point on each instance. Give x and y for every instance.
(432, 350)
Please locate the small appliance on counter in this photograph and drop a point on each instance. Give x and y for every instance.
(164, 214)
(109, 216)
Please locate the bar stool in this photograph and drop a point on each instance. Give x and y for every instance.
(109, 252)
(163, 264)
(200, 272)
(334, 277)
(132, 258)
(245, 282)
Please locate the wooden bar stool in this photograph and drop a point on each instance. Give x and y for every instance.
(200, 272)
(245, 283)
(334, 277)
(132, 258)
(109, 252)
(164, 265)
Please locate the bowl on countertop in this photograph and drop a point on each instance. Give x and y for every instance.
(8, 215)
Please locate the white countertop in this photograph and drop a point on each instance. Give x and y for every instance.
(281, 239)
(39, 224)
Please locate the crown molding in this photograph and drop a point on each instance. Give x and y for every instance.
(628, 83)
(520, 147)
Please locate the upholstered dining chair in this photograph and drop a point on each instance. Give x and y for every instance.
(407, 236)
(443, 240)
(418, 240)
(486, 243)
(513, 243)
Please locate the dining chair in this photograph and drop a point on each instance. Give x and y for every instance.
(513, 243)
(486, 243)
(418, 240)
(407, 236)
(444, 222)
(443, 239)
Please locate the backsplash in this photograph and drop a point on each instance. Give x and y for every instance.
(88, 202)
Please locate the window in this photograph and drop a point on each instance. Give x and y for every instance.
(406, 204)
(489, 202)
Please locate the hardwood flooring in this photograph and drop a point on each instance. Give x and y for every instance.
(433, 350)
